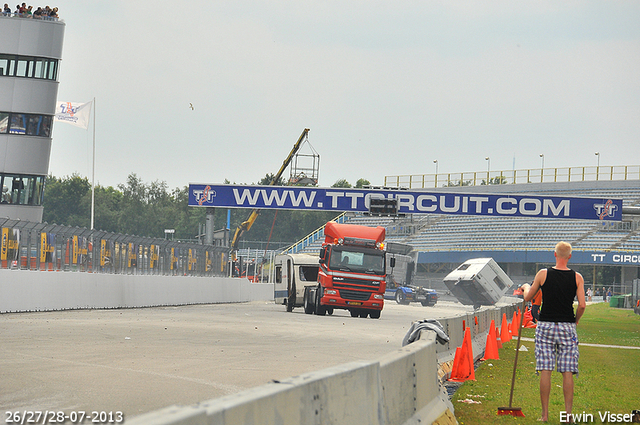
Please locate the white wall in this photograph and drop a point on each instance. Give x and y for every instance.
(22, 290)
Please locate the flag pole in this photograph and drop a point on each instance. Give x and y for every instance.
(93, 168)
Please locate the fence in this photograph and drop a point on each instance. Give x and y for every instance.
(41, 246)
(540, 175)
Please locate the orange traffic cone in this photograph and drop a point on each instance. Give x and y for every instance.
(463, 361)
(491, 347)
(528, 320)
(498, 340)
(467, 336)
(520, 313)
(456, 366)
(514, 324)
(505, 336)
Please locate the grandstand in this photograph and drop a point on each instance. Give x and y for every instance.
(517, 241)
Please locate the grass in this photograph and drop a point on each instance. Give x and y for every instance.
(609, 378)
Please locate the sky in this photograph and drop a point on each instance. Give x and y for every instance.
(386, 88)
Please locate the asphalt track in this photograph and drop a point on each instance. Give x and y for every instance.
(139, 360)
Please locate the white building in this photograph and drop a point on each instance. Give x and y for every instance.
(30, 52)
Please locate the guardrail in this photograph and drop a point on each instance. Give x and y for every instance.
(540, 175)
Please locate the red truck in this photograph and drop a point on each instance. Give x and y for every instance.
(352, 272)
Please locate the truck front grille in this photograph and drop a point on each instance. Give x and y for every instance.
(354, 295)
(345, 281)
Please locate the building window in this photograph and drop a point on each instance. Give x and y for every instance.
(28, 124)
(21, 190)
(4, 122)
(28, 67)
(4, 66)
(18, 124)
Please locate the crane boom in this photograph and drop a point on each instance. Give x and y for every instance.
(246, 225)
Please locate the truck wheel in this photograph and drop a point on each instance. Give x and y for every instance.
(308, 305)
(320, 309)
(375, 314)
(364, 314)
(400, 297)
(330, 311)
(425, 303)
(354, 313)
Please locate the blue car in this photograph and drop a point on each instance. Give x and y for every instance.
(405, 294)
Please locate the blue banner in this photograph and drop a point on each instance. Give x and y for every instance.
(409, 202)
(595, 258)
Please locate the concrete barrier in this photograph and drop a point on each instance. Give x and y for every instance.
(22, 290)
(402, 388)
(453, 326)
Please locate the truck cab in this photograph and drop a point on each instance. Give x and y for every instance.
(352, 272)
(400, 277)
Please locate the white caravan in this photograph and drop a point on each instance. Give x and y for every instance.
(294, 272)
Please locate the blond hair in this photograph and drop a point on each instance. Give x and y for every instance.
(563, 249)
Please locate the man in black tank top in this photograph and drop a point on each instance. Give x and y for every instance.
(556, 337)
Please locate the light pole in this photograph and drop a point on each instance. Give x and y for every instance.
(488, 167)
(542, 168)
(435, 161)
(598, 167)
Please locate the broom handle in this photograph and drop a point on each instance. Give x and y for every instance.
(515, 362)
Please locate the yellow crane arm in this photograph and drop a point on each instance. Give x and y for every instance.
(246, 225)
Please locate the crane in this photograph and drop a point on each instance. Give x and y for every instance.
(246, 225)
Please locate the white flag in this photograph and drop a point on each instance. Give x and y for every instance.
(74, 113)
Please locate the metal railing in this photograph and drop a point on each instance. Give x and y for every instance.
(540, 175)
(27, 16)
(312, 237)
(40, 246)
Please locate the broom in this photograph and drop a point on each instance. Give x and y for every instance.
(514, 411)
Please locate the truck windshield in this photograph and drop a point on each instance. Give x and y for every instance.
(362, 261)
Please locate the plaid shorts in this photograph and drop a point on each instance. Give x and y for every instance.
(557, 346)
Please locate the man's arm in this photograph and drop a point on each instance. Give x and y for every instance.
(582, 304)
(530, 291)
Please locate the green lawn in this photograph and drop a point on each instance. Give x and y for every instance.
(609, 378)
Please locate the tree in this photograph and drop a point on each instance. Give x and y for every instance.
(65, 201)
(133, 219)
(268, 178)
(362, 183)
(185, 219)
(146, 209)
(496, 180)
(107, 208)
(451, 183)
(341, 183)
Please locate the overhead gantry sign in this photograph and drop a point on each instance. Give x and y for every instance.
(408, 202)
